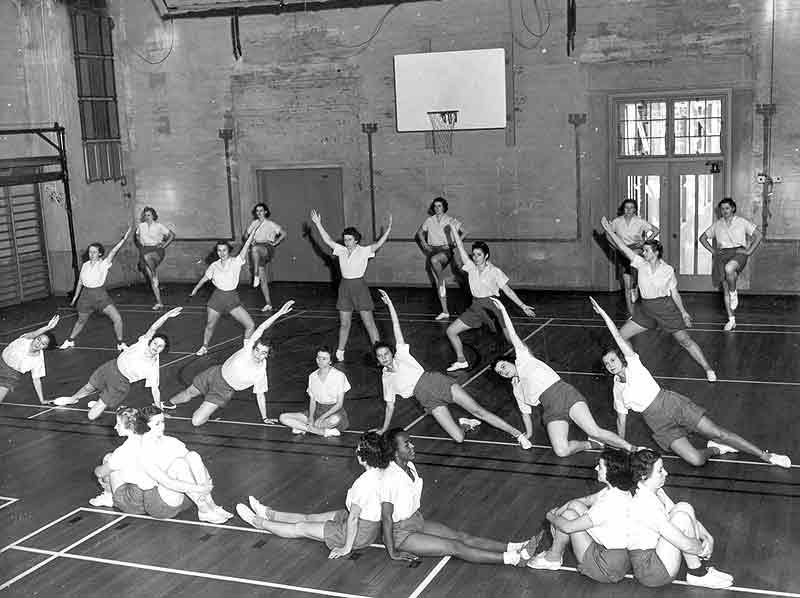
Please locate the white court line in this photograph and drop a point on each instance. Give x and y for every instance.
(188, 573)
(429, 578)
(688, 379)
(54, 555)
(41, 529)
(36, 325)
(35, 415)
(8, 500)
(693, 329)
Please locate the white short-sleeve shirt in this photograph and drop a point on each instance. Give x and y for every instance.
(631, 232)
(327, 392)
(366, 493)
(533, 378)
(655, 283)
(162, 451)
(17, 355)
(241, 371)
(647, 517)
(93, 274)
(125, 461)
(435, 228)
(225, 275)
(402, 491)
(486, 283)
(406, 374)
(151, 234)
(136, 363)
(268, 231)
(731, 235)
(353, 265)
(610, 518)
(638, 390)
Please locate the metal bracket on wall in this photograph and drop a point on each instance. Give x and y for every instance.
(576, 119)
(767, 111)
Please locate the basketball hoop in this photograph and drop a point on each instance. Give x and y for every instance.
(442, 124)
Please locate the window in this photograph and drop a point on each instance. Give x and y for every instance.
(97, 96)
(643, 129)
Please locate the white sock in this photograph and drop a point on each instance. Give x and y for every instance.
(515, 546)
(510, 558)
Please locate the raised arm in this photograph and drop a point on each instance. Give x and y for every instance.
(160, 322)
(398, 333)
(285, 309)
(511, 294)
(516, 341)
(379, 243)
(326, 238)
(618, 243)
(461, 251)
(120, 243)
(623, 345)
(246, 247)
(47, 328)
(651, 233)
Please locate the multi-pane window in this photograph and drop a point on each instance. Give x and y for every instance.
(97, 96)
(697, 126)
(642, 128)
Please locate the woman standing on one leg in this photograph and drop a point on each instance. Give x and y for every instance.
(353, 291)
(660, 305)
(26, 354)
(535, 383)
(352, 528)
(404, 376)
(435, 238)
(90, 293)
(153, 238)
(268, 235)
(669, 415)
(485, 281)
(326, 389)
(408, 535)
(224, 274)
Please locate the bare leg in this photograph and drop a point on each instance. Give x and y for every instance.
(186, 395)
(203, 412)
(264, 277)
(438, 264)
(3, 393)
(453, 332)
(580, 540)
(79, 324)
(311, 530)
(726, 298)
(686, 341)
(151, 266)
(627, 289)
(445, 419)
(580, 414)
(369, 323)
(439, 529)
(96, 410)
(732, 274)
(83, 391)
(558, 432)
(681, 516)
(345, 320)
(299, 421)
(240, 315)
(463, 400)
(711, 430)
(116, 320)
(630, 329)
(429, 545)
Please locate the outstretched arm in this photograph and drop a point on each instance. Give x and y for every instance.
(160, 322)
(326, 238)
(618, 243)
(200, 283)
(461, 251)
(623, 345)
(398, 333)
(676, 297)
(47, 328)
(516, 341)
(246, 247)
(511, 294)
(387, 417)
(120, 243)
(379, 243)
(285, 309)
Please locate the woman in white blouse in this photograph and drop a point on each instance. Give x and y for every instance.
(660, 304)
(326, 415)
(352, 528)
(268, 236)
(224, 275)
(90, 293)
(152, 237)
(26, 354)
(407, 535)
(669, 415)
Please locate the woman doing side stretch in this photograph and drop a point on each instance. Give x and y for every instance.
(669, 415)
(26, 354)
(345, 530)
(153, 238)
(268, 235)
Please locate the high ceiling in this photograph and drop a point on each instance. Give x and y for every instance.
(181, 9)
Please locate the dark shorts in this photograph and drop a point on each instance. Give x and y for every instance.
(671, 416)
(335, 531)
(354, 295)
(111, 384)
(129, 498)
(213, 386)
(722, 257)
(155, 253)
(93, 299)
(433, 390)
(482, 311)
(403, 529)
(557, 400)
(648, 568)
(9, 377)
(624, 264)
(605, 565)
(224, 302)
(658, 313)
(445, 250)
(263, 252)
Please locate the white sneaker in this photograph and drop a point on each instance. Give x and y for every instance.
(730, 325)
(298, 431)
(524, 442)
(443, 316)
(67, 344)
(780, 460)
(711, 580)
(723, 449)
(256, 282)
(201, 351)
(64, 401)
(458, 365)
(267, 307)
(540, 562)
(246, 514)
(106, 499)
(468, 423)
(217, 515)
(259, 509)
(339, 355)
(734, 297)
(332, 432)
(121, 346)
(91, 404)
(719, 573)
(711, 375)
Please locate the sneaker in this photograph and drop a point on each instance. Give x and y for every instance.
(712, 579)
(528, 551)
(780, 460)
(106, 499)
(217, 515)
(259, 509)
(332, 432)
(267, 307)
(121, 346)
(730, 325)
(201, 351)
(443, 316)
(734, 297)
(458, 365)
(64, 401)
(246, 514)
(67, 344)
(91, 404)
(540, 562)
(468, 423)
(719, 573)
(723, 449)
(168, 406)
(711, 375)
(158, 307)
(256, 281)
(339, 355)
(223, 513)
(524, 443)
(298, 431)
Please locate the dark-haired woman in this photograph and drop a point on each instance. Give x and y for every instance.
(113, 379)
(344, 530)
(353, 291)
(435, 236)
(268, 235)
(662, 533)
(595, 525)
(634, 231)
(224, 275)
(90, 293)
(408, 535)
(660, 304)
(669, 415)
(152, 237)
(326, 415)
(26, 354)
(485, 281)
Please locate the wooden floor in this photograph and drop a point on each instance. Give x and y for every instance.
(53, 544)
